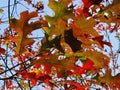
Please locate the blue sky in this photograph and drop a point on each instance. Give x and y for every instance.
(47, 11)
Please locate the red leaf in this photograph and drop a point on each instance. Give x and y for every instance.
(24, 74)
(2, 50)
(46, 80)
(96, 2)
(100, 40)
(89, 65)
(77, 86)
(87, 4)
(47, 68)
(78, 70)
(44, 77)
(33, 77)
(24, 56)
(8, 83)
(107, 43)
(37, 65)
(33, 81)
(80, 11)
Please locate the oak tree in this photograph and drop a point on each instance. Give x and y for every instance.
(75, 53)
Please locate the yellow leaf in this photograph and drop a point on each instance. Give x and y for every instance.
(59, 21)
(60, 26)
(1, 10)
(60, 12)
(112, 81)
(0, 21)
(100, 60)
(86, 26)
(24, 84)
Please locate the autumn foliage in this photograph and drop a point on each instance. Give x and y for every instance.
(76, 52)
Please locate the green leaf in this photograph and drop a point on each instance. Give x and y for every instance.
(58, 22)
(60, 12)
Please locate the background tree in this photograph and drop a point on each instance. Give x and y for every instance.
(79, 49)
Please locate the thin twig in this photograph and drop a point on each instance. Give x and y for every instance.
(15, 66)
(112, 57)
(35, 37)
(23, 5)
(11, 77)
(10, 71)
(7, 6)
(13, 7)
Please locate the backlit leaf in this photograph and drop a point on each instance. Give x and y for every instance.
(110, 17)
(23, 29)
(87, 4)
(60, 18)
(61, 65)
(1, 10)
(86, 26)
(99, 59)
(8, 83)
(112, 81)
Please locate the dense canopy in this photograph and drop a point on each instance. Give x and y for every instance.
(77, 51)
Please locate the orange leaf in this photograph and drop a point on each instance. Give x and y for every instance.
(83, 25)
(23, 29)
(0, 21)
(76, 30)
(1, 70)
